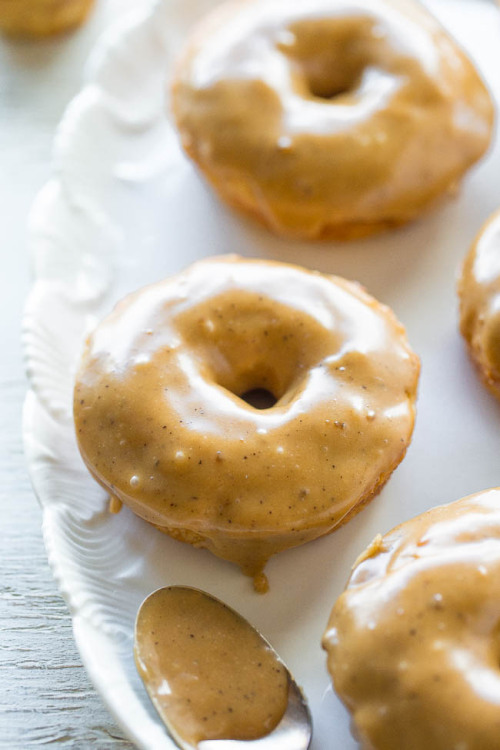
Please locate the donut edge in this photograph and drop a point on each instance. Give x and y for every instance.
(469, 321)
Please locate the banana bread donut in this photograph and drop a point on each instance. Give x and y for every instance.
(163, 424)
(479, 291)
(329, 118)
(413, 642)
(40, 18)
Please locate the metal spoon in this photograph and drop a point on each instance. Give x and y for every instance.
(294, 732)
(211, 675)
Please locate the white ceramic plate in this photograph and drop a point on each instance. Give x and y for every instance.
(125, 208)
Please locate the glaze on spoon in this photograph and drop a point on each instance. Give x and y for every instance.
(214, 680)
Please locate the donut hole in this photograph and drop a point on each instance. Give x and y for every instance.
(328, 59)
(255, 348)
(330, 85)
(261, 386)
(259, 398)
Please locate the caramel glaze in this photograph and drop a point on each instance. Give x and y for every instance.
(161, 423)
(479, 291)
(330, 118)
(209, 674)
(41, 18)
(413, 642)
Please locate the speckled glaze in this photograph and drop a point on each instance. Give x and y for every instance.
(127, 213)
(224, 680)
(331, 118)
(413, 642)
(479, 291)
(161, 423)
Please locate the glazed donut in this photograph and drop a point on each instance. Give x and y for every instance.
(162, 425)
(40, 18)
(329, 118)
(413, 642)
(479, 291)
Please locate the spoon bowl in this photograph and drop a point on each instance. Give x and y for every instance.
(294, 732)
(215, 681)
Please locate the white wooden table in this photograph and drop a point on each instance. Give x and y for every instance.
(45, 695)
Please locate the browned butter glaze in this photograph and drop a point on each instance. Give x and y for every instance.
(329, 118)
(209, 674)
(41, 18)
(414, 641)
(479, 291)
(162, 424)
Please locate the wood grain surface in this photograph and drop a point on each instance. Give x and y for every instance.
(45, 695)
